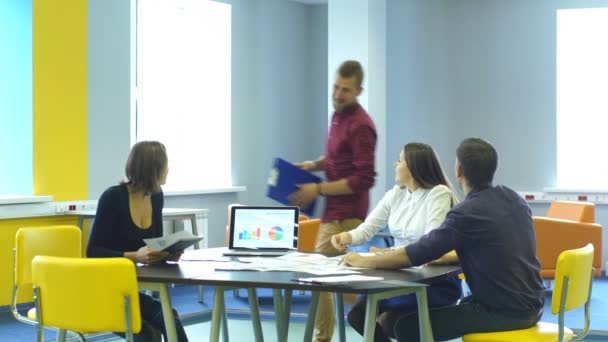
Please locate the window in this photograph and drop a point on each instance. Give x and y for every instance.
(582, 108)
(183, 87)
(16, 96)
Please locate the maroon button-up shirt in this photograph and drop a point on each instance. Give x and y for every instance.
(350, 154)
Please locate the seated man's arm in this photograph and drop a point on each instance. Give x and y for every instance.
(447, 259)
(429, 247)
(393, 259)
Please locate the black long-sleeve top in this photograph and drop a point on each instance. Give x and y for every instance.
(114, 232)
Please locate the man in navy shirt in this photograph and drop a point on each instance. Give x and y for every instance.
(493, 236)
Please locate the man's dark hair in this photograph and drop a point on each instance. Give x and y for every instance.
(479, 160)
(350, 69)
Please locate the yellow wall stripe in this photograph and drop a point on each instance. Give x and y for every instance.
(60, 98)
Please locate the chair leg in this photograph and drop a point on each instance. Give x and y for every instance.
(61, 335)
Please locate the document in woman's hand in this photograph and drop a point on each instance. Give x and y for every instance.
(173, 243)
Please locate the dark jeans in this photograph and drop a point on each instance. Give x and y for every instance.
(454, 321)
(440, 294)
(153, 322)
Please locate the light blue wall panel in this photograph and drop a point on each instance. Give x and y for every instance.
(16, 97)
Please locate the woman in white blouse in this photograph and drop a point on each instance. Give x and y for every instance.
(417, 204)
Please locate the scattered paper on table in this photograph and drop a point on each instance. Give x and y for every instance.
(339, 279)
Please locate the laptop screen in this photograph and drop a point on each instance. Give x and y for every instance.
(263, 227)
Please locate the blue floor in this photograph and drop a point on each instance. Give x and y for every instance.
(185, 301)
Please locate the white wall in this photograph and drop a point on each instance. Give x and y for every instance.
(478, 68)
(279, 96)
(357, 30)
(418, 86)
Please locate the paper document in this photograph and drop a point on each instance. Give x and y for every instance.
(207, 254)
(338, 279)
(175, 242)
(316, 264)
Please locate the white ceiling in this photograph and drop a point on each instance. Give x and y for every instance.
(311, 2)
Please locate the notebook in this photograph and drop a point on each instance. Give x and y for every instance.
(262, 231)
(284, 179)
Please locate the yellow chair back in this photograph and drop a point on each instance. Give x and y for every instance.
(50, 240)
(31, 241)
(573, 265)
(573, 282)
(87, 295)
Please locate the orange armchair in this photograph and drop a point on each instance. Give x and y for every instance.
(307, 235)
(568, 225)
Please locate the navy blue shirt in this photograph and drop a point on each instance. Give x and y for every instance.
(114, 231)
(493, 234)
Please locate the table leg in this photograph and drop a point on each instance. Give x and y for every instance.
(424, 321)
(224, 319)
(165, 301)
(312, 315)
(339, 302)
(194, 226)
(255, 314)
(201, 295)
(279, 315)
(218, 310)
(371, 311)
(287, 311)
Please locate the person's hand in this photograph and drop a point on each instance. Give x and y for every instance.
(352, 259)
(341, 241)
(174, 256)
(308, 165)
(146, 255)
(303, 197)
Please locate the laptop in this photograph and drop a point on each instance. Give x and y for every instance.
(262, 231)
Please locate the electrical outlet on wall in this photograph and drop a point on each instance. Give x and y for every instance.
(61, 207)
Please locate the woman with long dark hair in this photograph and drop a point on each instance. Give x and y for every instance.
(130, 212)
(417, 204)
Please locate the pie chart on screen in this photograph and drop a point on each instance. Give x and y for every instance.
(275, 233)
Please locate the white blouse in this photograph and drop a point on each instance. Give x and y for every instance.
(409, 215)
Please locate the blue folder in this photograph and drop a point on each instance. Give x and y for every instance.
(283, 180)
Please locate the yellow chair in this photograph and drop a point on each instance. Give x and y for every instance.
(573, 282)
(62, 241)
(86, 295)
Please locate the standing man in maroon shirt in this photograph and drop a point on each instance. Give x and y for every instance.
(349, 168)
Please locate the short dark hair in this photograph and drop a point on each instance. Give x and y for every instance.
(350, 69)
(479, 160)
(145, 164)
(425, 168)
